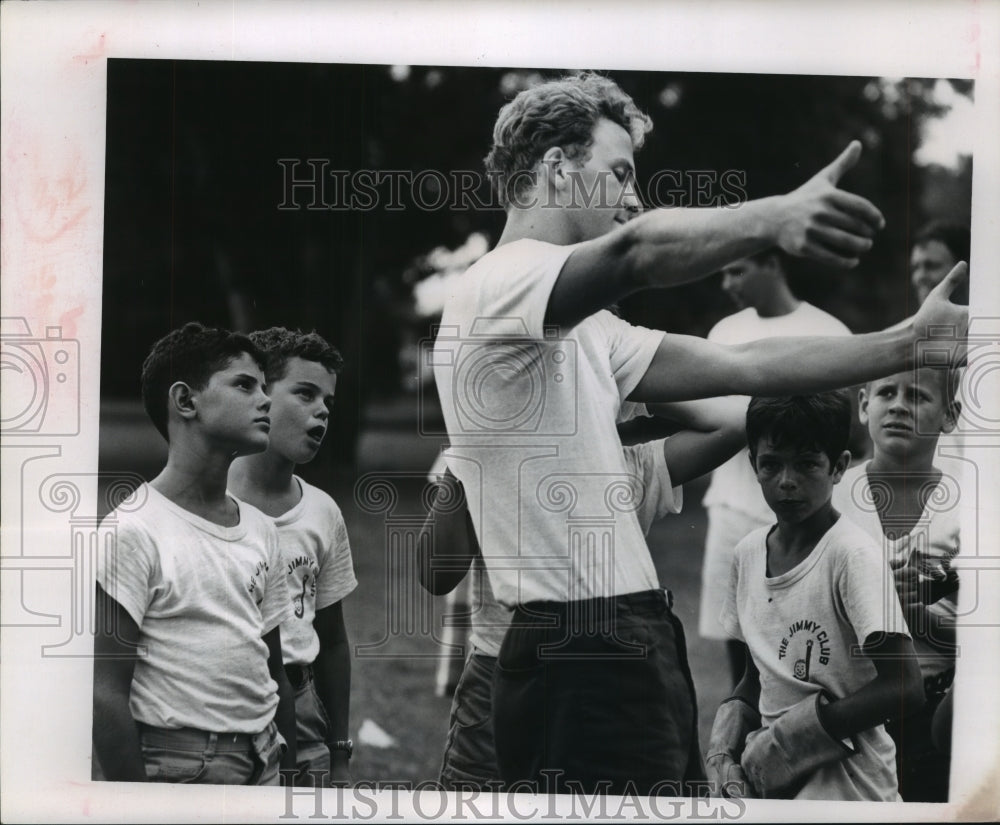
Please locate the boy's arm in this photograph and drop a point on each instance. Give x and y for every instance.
(714, 432)
(447, 543)
(332, 670)
(116, 736)
(896, 691)
(736, 717)
(811, 734)
(666, 247)
(284, 716)
(686, 367)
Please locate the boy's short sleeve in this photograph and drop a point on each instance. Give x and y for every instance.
(656, 497)
(277, 604)
(336, 568)
(867, 591)
(729, 617)
(127, 573)
(631, 349)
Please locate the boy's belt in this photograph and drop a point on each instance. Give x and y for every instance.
(299, 675)
(193, 738)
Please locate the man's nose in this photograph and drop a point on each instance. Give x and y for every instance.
(633, 204)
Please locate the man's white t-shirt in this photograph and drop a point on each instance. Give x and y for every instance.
(656, 497)
(531, 420)
(928, 548)
(318, 567)
(203, 597)
(733, 483)
(803, 629)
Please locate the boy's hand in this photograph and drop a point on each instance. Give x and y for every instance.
(733, 721)
(822, 222)
(939, 315)
(908, 588)
(779, 759)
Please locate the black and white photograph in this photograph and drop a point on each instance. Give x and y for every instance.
(429, 423)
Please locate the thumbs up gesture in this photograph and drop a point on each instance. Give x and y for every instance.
(827, 224)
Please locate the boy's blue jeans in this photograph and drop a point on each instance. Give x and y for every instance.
(312, 756)
(187, 755)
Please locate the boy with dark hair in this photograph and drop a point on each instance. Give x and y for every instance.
(905, 498)
(301, 371)
(807, 595)
(188, 682)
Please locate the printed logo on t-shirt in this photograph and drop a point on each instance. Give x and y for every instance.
(255, 587)
(806, 645)
(302, 572)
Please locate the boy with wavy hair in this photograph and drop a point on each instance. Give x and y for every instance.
(188, 679)
(301, 371)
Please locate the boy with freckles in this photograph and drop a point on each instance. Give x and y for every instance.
(905, 498)
(830, 655)
(301, 372)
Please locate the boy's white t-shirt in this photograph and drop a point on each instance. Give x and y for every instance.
(318, 567)
(734, 483)
(929, 547)
(656, 497)
(531, 420)
(203, 597)
(803, 629)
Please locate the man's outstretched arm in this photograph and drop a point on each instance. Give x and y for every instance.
(666, 247)
(686, 367)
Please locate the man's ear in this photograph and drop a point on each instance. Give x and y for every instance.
(553, 163)
(840, 466)
(863, 405)
(180, 398)
(951, 416)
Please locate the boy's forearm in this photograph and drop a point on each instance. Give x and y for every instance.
(284, 715)
(332, 670)
(116, 738)
(689, 455)
(895, 692)
(706, 415)
(748, 687)
(284, 718)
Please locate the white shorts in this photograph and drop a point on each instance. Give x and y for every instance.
(726, 527)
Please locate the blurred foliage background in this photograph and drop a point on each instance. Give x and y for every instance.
(198, 160)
